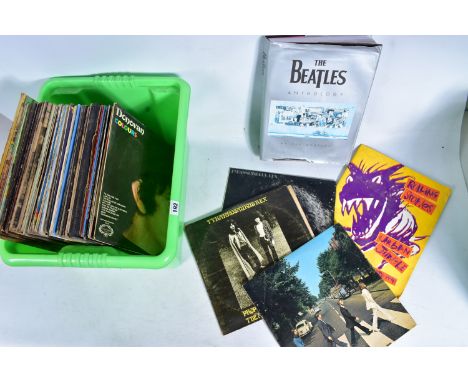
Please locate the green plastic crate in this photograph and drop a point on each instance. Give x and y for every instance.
(155, 100)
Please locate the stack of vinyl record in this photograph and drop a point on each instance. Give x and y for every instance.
(63, 176)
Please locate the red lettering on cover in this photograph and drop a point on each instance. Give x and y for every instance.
(418, 201)
(385, 277)
(391, 258)
(395, 245)
(423, 190)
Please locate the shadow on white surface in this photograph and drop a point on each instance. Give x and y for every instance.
(10, 92)
(431, 148)
(5, 125)
(256, 102)
(464, 144)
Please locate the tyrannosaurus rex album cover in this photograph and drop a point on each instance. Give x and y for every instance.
(231, 246)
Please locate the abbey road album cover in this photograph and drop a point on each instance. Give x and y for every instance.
(327, 294)
(230, 247)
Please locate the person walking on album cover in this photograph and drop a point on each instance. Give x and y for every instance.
(327, 331)
(248, 257)
(377, 310)
(267, 241)
(351, 322)
(330, 118)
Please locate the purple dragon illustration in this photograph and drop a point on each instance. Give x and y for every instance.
(374, 195)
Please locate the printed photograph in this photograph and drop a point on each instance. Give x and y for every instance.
(326, 294)
(232, 246)
(136, 186)
(318, 120)
(254, 240)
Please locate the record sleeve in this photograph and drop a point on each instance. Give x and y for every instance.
(230, 247)
(8, 151)
(62, 180)
(64, 125)
(96, 152)
(81, 176)
(390, 211)
(325, 293)
(76, 160)
(48, 171)
(44, 146)
(101, 153)
(10, 160)
(316, 196)
(132, 195)
(25, 173)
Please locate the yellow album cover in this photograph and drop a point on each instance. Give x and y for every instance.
(390, 211)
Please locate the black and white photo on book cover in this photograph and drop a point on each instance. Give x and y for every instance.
(333, 297)
(316, 196)
(232, 246)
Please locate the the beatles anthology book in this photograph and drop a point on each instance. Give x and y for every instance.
(315, 94)
(316, 196)
(390, 211)
(230, 247)
(333, 297)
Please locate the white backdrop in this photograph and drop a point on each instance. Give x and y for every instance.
(414, 115)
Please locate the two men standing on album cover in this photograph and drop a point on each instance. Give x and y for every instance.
(249, 258)
(265, 236)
